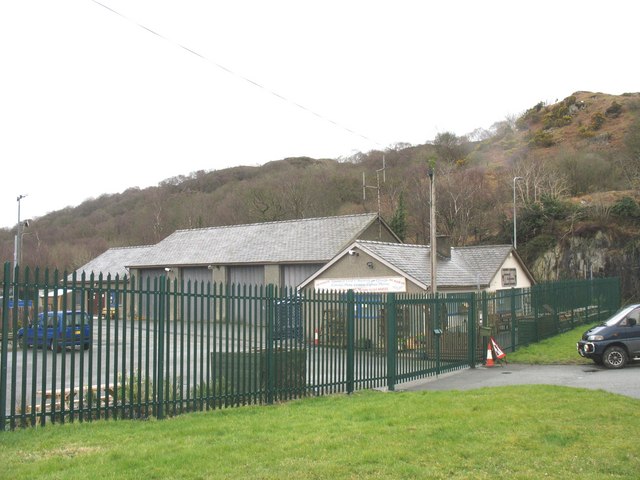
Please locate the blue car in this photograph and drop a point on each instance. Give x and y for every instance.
(58, 330)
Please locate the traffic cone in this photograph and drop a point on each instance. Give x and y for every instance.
(496, 349)
(489, 362)
(315, 338)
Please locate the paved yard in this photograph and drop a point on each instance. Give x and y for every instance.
(624, 382)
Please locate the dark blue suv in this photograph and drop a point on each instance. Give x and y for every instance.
(615, 342)
(58, 330)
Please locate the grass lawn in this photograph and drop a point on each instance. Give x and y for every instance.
(517, 432)
(558, 350)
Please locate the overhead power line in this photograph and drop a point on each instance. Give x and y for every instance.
(240, 76)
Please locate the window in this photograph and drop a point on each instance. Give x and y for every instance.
(634, 318)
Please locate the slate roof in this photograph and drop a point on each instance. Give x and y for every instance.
(314, 240)
(467, 266)
(113, 261)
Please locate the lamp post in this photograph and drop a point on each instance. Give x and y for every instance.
(17, 253)
(16, 250)
(515, 240)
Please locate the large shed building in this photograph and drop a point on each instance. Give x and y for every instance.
(280, 253)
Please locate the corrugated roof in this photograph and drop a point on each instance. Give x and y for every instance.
(113, 261)
(468, 266)
(306, 240)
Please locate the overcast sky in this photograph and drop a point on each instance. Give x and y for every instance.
(96, 98)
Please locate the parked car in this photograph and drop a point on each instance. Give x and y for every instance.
(69, 328)
(616, 341)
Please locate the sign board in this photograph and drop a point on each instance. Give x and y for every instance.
(368, 285)
(509, 277)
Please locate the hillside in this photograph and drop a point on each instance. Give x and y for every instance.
(578, 159)
(584, 121)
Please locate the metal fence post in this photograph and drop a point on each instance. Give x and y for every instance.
(392, 341)
(485, 321)
(514, 319)
(5, 346)
(351, 330)
(473, 329)
(270, 368)
(437, 331)
(160, 348)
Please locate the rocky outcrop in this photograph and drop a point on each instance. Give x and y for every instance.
(599, 254)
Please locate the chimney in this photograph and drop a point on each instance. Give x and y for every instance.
(443, 246)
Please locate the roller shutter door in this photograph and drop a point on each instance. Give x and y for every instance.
(294, 275)
(241, 279)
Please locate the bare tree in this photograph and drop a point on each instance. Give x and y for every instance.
(460, 196)
(538, 179)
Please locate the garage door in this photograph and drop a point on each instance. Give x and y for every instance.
(246, 275)
(245, 279)
(196, 282)
(146, 303)
(294, 275)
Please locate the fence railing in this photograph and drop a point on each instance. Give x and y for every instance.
(80, 349)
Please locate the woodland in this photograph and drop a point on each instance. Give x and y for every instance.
(573, 168)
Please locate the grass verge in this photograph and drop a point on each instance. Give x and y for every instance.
(557, 350)
(509, 432)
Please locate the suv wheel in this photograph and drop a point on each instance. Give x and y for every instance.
(614, 357)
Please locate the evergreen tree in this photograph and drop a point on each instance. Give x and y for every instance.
(399, 221)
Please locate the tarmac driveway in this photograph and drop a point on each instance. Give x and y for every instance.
(624, 382)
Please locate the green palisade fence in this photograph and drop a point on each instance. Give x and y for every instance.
(159, 347)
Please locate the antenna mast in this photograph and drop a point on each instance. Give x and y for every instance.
(377, 187)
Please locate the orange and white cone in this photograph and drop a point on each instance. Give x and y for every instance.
(315, 338)
(496, 349)
(489, 362)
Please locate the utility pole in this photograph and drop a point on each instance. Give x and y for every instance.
(515, 240)
(432, 228)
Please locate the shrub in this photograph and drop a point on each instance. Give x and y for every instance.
(614, 110)
(530, 117)
(558, 116)
(626, 207)
(554, 207)
(531, 221)
(597, 120)
(542, 139)
(585, 132)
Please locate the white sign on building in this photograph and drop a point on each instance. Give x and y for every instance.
(362, 285)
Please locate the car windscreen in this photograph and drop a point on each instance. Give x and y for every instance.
(620, 315)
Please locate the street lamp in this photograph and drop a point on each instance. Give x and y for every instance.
(17, 250)
(515, 241)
